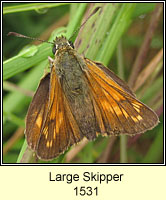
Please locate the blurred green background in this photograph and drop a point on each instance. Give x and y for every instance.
(115, 36)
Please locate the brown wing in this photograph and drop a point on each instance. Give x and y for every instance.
(116, 108)
(60, 129)
(37, 112)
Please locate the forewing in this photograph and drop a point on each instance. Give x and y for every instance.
(60, 129)
(37, 112)
(116, 108)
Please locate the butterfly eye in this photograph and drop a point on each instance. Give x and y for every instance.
(54, 49)
(71, 44)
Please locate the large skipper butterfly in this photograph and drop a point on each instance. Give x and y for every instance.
(81, 98)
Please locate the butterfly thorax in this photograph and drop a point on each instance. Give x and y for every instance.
(69, 67)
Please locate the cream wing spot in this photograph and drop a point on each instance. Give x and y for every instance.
(56, 130)
(134, 118)
(125, 113)
(51, 143)
(46, 136)
(59, 122)
(138, 110)
(139, 117)
(39, 121)
(54, 134)
(47, 144)
(45, 132)
(117, 110)
(60, 118)
(136, 107)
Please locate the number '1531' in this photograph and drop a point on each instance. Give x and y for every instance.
(83, 191)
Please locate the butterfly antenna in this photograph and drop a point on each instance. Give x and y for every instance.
(32, 38)
(95, 10)
(24, 36)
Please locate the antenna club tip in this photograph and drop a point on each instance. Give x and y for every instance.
(10, 33)
(14, 34)
(97, 8)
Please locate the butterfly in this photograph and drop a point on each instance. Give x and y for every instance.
(81, 98)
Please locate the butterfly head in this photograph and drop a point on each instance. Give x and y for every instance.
(61, 43)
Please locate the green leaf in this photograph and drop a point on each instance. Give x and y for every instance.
(30, 6)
